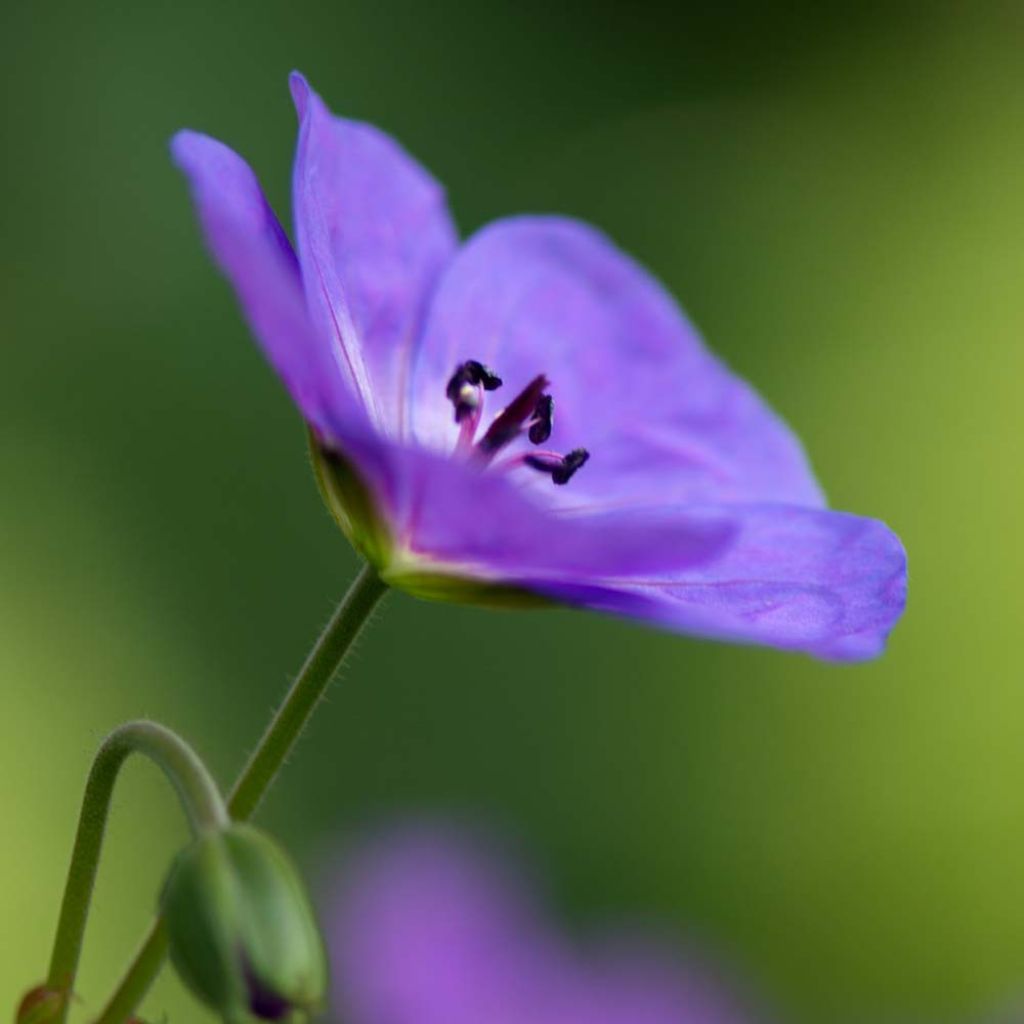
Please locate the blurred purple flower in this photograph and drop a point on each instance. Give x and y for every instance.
(629, 472)
(426, 928)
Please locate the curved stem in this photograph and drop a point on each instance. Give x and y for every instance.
(200, 799)
(270, 754)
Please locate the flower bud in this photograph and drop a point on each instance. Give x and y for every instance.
(41, 1005)
(242, 933)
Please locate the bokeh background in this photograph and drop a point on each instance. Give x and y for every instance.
(834, 192)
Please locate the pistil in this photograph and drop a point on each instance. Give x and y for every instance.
(543, 418)
(509, 423)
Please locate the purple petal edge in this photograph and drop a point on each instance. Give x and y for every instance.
(251, 248)
(829, 584)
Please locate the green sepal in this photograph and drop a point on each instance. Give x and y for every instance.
(351, 505)
(441, 586)
(279, 931)
(200, 903)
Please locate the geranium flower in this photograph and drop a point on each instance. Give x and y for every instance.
(429, 926)
(529, 414)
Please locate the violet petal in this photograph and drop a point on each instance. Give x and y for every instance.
(249, 245)
(827, 583)
(373, 233)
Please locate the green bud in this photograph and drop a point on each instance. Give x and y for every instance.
(242, 933)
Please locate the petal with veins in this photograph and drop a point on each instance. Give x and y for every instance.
(373, 233)
(632, 382)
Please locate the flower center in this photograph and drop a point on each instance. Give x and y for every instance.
(531, 411)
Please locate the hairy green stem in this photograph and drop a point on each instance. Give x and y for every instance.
(322, 662)
(199, 797)
(270, 754)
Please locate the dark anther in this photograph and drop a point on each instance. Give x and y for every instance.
(462, 385)
(480, 374)
(575, 460)
(540, 429)
(562, 470)
(474, 373)
(509, 422)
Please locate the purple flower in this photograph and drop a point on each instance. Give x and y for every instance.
(426, 928)
(529, 414)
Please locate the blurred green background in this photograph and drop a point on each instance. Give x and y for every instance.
(835, 194)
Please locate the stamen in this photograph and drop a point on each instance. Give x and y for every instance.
(561, 469)
(463, 388)
(470, 412)
(540, 428)
(508, 424)
(531, 410)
